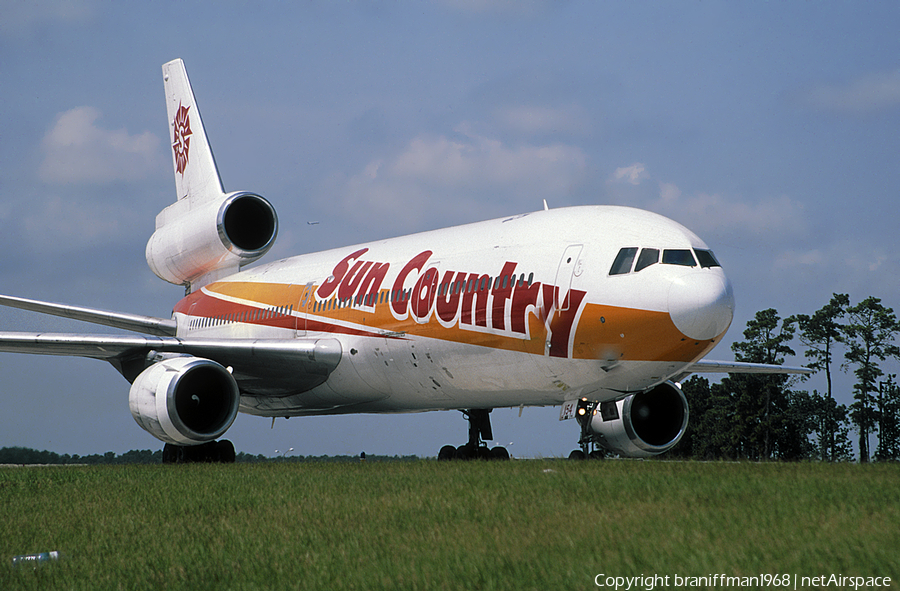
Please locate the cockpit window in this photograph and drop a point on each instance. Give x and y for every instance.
(622, 264)
(649, 256)
(707, 258)
(679, 257)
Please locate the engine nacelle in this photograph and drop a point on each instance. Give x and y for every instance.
(214, 238)
(185, 400)
(643, 424)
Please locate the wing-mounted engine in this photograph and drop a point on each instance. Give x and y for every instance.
(185, 400)
(195, 244)
(643, 424)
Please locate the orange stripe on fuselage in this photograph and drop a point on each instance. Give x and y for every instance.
(599, 331)
(611, 332)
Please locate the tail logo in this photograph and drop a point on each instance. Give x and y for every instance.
(182, 140)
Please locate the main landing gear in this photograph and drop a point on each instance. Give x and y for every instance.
(588, 440)
(476, 449)
(214, 452)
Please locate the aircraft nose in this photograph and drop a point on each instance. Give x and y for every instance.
(701, 304)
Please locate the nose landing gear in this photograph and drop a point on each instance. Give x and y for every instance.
(479, 430)
(590, 450)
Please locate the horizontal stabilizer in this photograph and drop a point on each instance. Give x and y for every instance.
(133, 322)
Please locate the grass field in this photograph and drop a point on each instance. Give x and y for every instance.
(544, 525)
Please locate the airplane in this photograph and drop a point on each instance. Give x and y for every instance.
(600, 310)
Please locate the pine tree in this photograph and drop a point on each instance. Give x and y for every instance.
(761, 402)
(831, 428)
(819, 333)
(870, 332)
(889, 421)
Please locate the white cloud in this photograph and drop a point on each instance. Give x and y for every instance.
(632, 175)
(792, 259)
(64, 224)
(710, 214)
(77, 150)
(479, 162)
(847, 265)
(669, 193)
(868, 93)
(23, 17)
(534, 119)
(707, 213)
(436, 181)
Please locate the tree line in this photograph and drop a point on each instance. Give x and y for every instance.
(767, 417)
(26, 456)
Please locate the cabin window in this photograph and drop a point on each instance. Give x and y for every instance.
(707, 258)
(683, 258)
(649, 256)
(624, 259)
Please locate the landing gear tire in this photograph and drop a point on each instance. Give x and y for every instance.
(465, 452)
(225, 452)
(499, 453)
(475, 449)
(580, 455)
(219, 452)
(172, 454)
(447, 453)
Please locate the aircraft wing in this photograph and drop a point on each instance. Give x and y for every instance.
(739, 367)
(296, 364)
(133, 322)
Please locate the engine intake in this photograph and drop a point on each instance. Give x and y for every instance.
(643, 424)
(247, 223)
(185, 400)
(210, 239)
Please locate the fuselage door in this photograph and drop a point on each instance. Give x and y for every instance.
(306, 300)
(564, 274)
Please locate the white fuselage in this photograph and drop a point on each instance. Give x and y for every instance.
(524, 310)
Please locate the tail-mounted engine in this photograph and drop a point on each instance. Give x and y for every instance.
(197, 243)
(185, 400)
(643, 424)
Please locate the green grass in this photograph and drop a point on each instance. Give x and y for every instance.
(423, 525)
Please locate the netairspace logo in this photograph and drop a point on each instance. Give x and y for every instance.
(784, 581)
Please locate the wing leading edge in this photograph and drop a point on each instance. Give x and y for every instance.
(290, 365)
(739, 367)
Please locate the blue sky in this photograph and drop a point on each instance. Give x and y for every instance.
(768, 129)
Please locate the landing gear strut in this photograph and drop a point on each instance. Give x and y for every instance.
(219, 452)
(479, 430)
(587, 441)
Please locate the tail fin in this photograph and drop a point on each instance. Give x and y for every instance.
(206, 234)
(196, 175)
